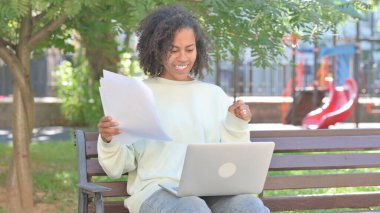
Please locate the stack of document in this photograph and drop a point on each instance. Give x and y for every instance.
(130, 102)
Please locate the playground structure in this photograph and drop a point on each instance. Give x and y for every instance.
(341, 86)
(342, 101)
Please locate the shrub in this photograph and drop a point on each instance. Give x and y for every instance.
(81, 104)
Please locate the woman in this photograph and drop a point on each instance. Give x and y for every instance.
(173, 52)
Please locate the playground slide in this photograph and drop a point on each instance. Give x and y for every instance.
(342, 102)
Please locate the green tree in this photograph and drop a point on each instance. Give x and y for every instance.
(26, 26)
(260, 25)
(233, 25)
(99, 27)
(99, 40)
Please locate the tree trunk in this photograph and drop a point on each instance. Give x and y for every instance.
(13, 191)
(21, 138)
(20, 184)
(100, 44)
(101, 55)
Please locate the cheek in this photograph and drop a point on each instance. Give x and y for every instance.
(194, 56)
(169, 59)
(166, 61)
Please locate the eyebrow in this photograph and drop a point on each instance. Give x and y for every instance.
(173, 46)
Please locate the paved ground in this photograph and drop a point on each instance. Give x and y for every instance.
(59, 133)
(42, 134)
(278, 126)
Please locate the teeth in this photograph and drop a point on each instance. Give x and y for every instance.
(181, 66)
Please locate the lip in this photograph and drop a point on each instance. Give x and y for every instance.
(181, 68)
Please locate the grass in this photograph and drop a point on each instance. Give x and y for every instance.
(54, 173)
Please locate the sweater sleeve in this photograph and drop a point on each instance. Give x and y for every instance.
(115, 158)
(233, 129)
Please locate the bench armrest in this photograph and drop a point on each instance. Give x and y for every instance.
(93, 188)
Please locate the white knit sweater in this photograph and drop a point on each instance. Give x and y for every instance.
(190, 112)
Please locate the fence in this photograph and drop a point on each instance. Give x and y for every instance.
(253, 81)
(41, 79)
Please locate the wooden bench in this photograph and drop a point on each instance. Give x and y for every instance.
(326, 150)
(91, 193)
(346, 155)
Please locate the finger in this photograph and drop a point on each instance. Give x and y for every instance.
(242, 109)
(235, 105)
(107, 124)
(105, 118)
(107, 121)
(243, 112)
(109, 133)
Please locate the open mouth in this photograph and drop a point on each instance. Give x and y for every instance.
(181, 67)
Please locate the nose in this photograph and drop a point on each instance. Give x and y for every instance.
(182, 56)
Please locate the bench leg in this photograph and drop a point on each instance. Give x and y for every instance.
(82, 201)
(98, 200)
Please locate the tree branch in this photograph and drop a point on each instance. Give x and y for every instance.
(40, 16)
(46, 31)
(5, 43)
(13, 63)
(25, 32)
(6, 54)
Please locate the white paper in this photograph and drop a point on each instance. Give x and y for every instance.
(130, 102)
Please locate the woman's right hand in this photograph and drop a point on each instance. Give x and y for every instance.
(106, 128)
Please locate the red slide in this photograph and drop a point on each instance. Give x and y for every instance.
(341, 103)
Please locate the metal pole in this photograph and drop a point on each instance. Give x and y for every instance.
(235, 77)
(250, 64)
(357, 67)
(315, 89)
(218, 71)
(293, 115)
(333, 70)
(371, 75)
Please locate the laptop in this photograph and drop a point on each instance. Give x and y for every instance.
(223, 169)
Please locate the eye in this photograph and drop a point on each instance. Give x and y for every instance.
(190, 50)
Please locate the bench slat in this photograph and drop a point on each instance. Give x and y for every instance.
(115, 208)
(297, 144)
(92, 149)
(313, 133)
(326, 161)
(119, 189)
(287, 203)
(91, 136)
(318, 144)
(111, 207)
(322, 181)
(94, 168)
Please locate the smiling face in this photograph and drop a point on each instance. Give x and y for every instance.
(181, 56)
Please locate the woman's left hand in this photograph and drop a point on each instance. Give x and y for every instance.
(241, 110)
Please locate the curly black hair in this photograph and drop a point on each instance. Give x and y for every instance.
(156, 34)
